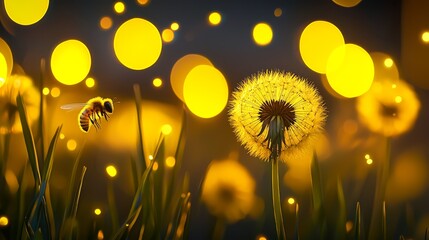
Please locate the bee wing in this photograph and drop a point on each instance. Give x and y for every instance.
(73, 106)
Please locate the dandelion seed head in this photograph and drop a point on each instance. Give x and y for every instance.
(270, 94)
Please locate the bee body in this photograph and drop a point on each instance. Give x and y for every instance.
(93, 111)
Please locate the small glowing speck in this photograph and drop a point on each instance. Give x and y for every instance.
(100, 235)
(398, 99)
(174, 26)
(55, 92)
(349, 226)
(119, 7)
(143, 2)
(62, 136)
(170, 162)
(261, 237)
(215, 18)
(167, 35)
(157, 82)
(166, 129)
(150, 157)
(97, 211)
(90, 82)
(367, 156)
(425, 37)
(388, 62)
(291, 200)
(393, 85)
(45, 91)
(111, 171)
(369, 161)
(71, 145)
(155, 166)
(4, 221)
(106, 23)
(278, 12)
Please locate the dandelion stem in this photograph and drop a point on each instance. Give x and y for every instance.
(278, 216)
(219, 229)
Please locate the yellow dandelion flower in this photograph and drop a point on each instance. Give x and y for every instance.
(228, 190)
(9, 117)
(389, 108)
(277, 115)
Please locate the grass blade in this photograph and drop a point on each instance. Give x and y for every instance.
(341, 221)
(357, 225)
(140, 151)
(297, 222)
(41, 103)
(29, 141)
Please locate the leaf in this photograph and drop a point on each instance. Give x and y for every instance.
(29, 140)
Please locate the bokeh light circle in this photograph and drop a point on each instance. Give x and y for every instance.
(347, 3)
(215, 18)
(181, 68)
(350, 70)
(70, 62)
(167, 35)
(262, 34)
(384, 66)
(106, 23)
(137, 44)
(7, 54)
(205, 91)
(3, 69)
(25, 12)
(316, 43)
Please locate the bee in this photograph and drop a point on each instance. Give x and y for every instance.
(92, 112)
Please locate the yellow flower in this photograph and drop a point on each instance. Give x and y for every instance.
(276, 114)
(9, 117)
(228, 190)
(389, 107)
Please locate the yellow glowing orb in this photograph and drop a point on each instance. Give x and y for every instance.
(46, 91)
(166, 129)
(70, 62)
(170, 162)
(167, 35)
(181, 68)
(26, 12)
(350, 70)
(106, 23)
(137, 44)
(157, 82)
(90, 82)
(369, 161)
(262, 34)
(291, 200)
(7, 54)
(347, 3)
(205, 91)
(143, 2)
(119, 7)
(97, 211)
(4, 221)
(71, 144)
(3, 69)
(316, 43)
(111, 171)
(215, 18)
(62, 136)
(174, 26)
(384, 66)
(55, 92)
(425, 37)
